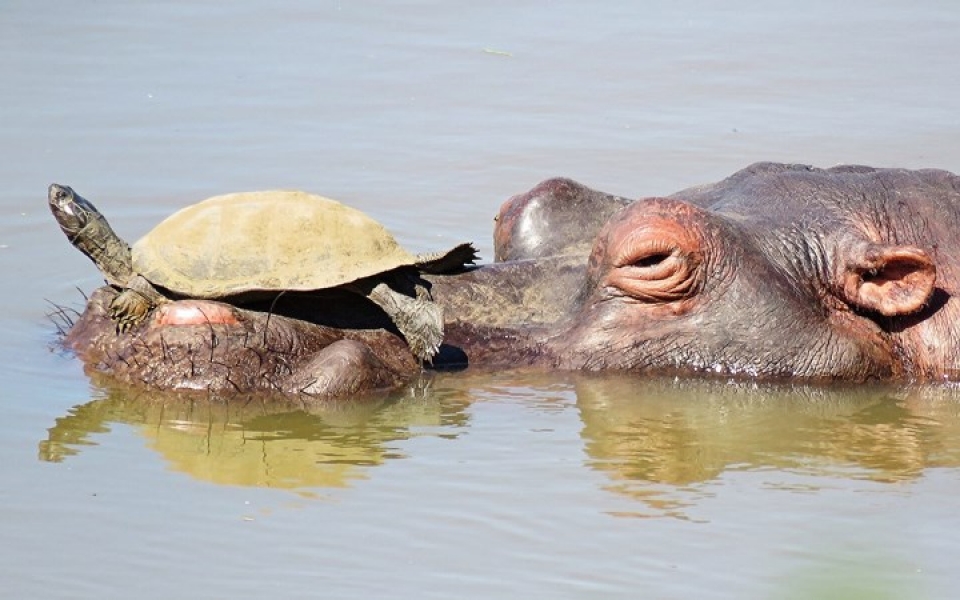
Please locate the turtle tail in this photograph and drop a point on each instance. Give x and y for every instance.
(458, 260)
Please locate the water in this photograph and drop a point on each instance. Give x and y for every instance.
(427, 116)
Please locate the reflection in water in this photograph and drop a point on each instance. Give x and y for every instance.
(659, 441)
(258, 442)
(662, 442)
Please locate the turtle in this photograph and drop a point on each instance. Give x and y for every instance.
(266, 242)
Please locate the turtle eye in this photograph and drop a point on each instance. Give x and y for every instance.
(59, 193)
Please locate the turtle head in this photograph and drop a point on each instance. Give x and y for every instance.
(72, 211)
(90, 233)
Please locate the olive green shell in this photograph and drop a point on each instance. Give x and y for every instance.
(270, 241)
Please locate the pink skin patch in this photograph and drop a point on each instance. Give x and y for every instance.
(195, 312)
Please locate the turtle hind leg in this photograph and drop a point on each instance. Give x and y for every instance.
(457, 260)
(419, 319)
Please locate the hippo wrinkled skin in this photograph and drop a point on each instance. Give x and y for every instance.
(779, 271)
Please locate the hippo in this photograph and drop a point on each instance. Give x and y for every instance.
(779, 271)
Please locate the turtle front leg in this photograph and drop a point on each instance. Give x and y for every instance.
(134, 303)
(419, 319)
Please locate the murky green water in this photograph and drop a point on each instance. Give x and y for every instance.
(428, 115)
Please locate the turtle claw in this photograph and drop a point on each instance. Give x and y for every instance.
(418, 319)
(125, 325)
(128, 309)
(421, 348)
(422, 326)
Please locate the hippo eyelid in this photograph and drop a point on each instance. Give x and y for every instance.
(658, 277)
(655, 259)
(644, 253)
(651, 260)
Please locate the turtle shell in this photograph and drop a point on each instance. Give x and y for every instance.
(265, 241)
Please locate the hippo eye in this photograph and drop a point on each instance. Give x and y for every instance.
(655, 272)
(651, 252)
(651, 260)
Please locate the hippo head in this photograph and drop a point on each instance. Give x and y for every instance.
(671, 286)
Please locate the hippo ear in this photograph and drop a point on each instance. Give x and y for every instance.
(890, 280)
